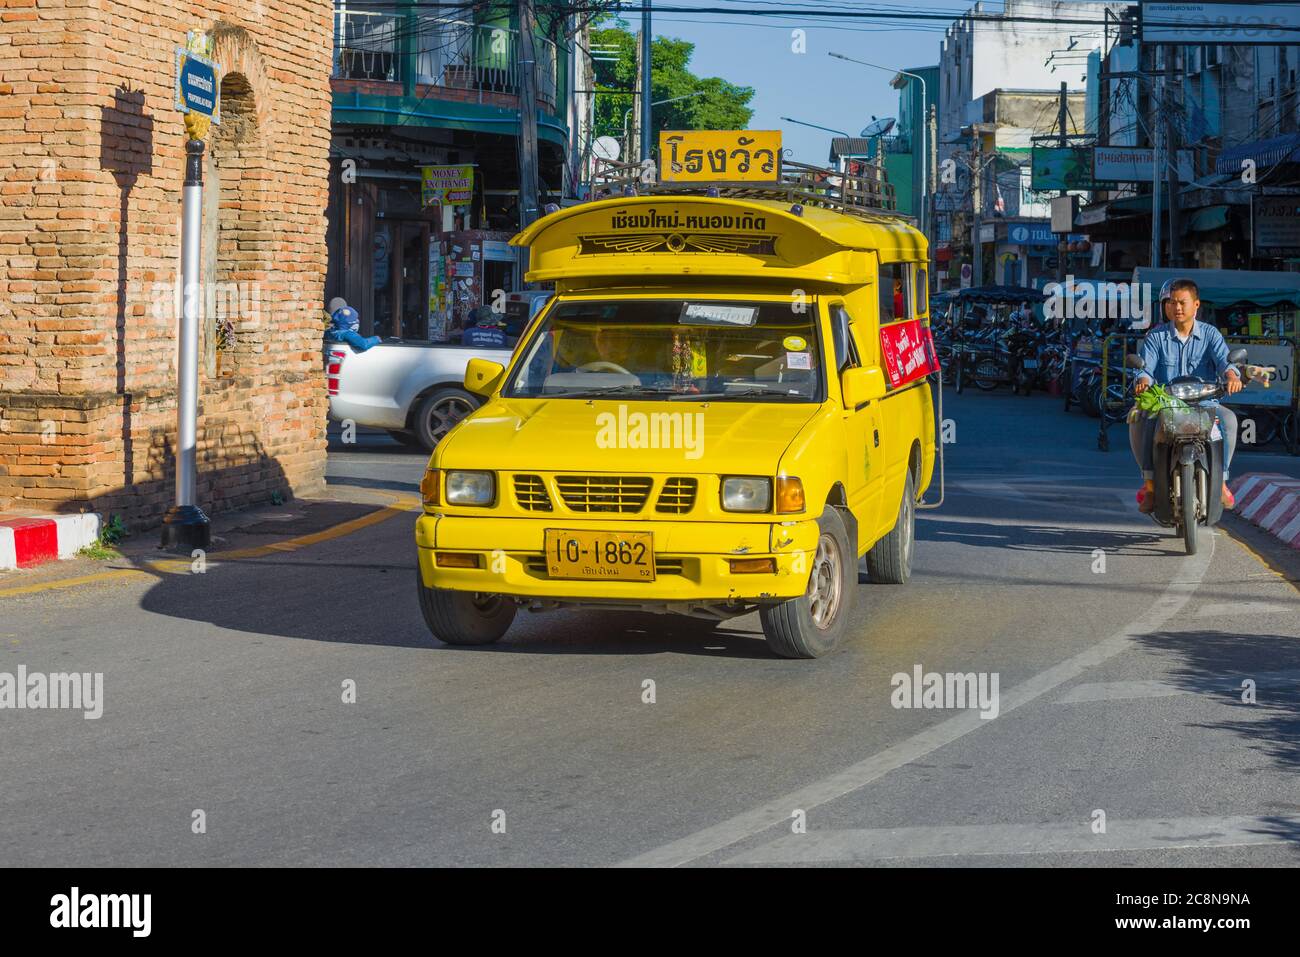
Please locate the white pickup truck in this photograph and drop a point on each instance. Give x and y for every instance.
(413, 389)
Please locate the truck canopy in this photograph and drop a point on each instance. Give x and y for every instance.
(671, 236)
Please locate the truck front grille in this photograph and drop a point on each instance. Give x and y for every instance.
(624, 494)
(530, 493)
(677, 497)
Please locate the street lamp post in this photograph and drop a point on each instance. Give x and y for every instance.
(925, 153)
(791, 119)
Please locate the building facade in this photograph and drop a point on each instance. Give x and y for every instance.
(425, 94)
(91, 169)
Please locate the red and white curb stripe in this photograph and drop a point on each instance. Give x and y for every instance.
(1272, 502)
(30, 540)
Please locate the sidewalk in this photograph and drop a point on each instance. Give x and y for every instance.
(247, 533)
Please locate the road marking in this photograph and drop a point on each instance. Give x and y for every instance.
(181, 566)
(777, 812)
(852, 844)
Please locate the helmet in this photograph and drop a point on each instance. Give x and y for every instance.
(1167, 290)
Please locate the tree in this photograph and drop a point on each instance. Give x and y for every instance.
(720, 105)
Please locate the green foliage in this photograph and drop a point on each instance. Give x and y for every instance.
(113, 532)
(103, 548)
(1157, 397)
(721, 105)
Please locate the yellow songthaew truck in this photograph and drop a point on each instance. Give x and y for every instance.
(725, 406)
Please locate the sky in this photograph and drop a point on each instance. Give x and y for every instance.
(810, 86)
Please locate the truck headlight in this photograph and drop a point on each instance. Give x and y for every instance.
(746, 493)
(470, 488)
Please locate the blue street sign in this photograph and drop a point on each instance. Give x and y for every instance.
(1037, 234)
(198, 85)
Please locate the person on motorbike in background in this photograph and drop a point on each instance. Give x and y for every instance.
(1183, 345)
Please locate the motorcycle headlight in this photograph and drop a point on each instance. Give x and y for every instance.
(747, 493)
(1191, 391)
(470, 488)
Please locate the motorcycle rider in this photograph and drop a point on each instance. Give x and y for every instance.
(1183, 345)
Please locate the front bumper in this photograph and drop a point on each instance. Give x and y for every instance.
(691, 559)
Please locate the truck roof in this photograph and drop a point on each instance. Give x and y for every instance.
(714, 236)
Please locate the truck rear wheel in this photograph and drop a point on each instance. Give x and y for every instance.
(439, 412)
(464, 617)
(811, 625)
(890, 560)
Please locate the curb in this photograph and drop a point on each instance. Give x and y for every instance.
(30, 540)
(1271, 501)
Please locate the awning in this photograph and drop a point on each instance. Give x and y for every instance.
(1269, 152)
(1211, 217)
(1227, 287)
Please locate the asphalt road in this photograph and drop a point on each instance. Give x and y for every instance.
(1120, 699)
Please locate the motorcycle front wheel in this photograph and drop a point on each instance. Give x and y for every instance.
(1187, 492)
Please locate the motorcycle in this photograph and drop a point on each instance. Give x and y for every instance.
(1188, 452)
(1022, 349)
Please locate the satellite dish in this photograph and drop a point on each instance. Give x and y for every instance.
(606, 147)
(878, 127)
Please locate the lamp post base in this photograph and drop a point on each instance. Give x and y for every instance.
(186, 528)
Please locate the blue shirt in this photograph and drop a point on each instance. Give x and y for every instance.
(1203, 353)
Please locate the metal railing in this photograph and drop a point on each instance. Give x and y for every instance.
(365, 45)
(446, 52)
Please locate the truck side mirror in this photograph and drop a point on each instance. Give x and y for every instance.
(861, 386)
(1237, 356)
(482, 376)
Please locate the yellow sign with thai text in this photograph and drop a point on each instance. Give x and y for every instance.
(719, 156)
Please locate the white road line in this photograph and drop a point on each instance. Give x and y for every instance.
(983, 839)
(1189, 575)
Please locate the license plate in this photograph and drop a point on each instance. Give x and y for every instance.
(1031, 363)
(608, 556)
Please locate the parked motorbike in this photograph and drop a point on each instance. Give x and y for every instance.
(1188, 452)
(1022, 358)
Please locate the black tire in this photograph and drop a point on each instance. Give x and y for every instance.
(889, 562)
(464, 617)
(811, 625)
(406, 438)
(439, 412)
(1187, 479)
(1090, 398)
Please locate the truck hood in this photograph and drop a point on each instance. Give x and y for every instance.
(551, 435)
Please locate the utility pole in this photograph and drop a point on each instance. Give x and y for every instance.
(977, 176)
(526, 62)
(1157, 157)
(1171, 161)
(1062, 140)
(647, 94)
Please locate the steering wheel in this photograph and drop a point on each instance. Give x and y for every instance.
(601, 365)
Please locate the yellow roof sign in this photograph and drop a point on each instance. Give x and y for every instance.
(720, 156)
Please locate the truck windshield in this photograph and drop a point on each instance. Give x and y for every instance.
(673, 348)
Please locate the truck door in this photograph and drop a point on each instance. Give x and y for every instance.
(864, 443)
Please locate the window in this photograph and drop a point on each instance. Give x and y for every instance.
(922, 293)
(846, 353)
(894, 292)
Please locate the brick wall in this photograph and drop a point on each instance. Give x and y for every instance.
(91, 167)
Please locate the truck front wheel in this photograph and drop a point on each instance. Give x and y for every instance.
(464, 617)
(812, 624)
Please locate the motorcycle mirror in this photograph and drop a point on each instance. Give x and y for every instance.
(1237, 356)
(1133, 360)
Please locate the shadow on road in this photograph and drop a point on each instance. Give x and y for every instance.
(1043, 538)
(1216, 663)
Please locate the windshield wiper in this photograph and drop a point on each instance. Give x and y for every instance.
(742, 393)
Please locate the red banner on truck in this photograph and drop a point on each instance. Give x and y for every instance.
(907, 352)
